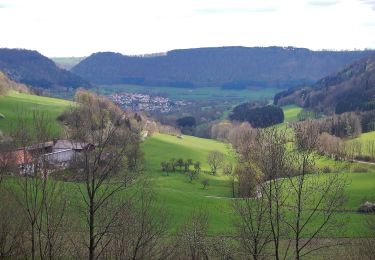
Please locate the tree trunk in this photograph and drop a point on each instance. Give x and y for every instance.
(91, 228)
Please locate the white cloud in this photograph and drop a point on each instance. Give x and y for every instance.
(80, 27)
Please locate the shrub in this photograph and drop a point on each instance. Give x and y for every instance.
(327, 169)
(205, 183)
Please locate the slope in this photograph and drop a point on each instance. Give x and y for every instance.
(32, 68)
(351, 89)
(12, 104)
(228, 67)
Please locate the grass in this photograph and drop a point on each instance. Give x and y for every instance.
(13, 103)
(364, 140)
(291, 113)
(204, 93)
(180, 196)
(366, 137)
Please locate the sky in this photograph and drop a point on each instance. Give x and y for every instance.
(66, 28)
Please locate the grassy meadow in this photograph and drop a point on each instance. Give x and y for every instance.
(14, 103)
(291, 113)
(180, 196)
(364, 139)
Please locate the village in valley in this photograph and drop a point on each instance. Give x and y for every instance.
(144, 102)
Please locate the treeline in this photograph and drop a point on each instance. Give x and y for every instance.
(346, 125)
(233, 67)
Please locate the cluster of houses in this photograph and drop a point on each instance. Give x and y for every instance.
(57, 153)
(144, 102)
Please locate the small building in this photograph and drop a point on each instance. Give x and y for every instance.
(56, 153)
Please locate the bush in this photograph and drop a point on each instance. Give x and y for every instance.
(205, 183)
(327, 169)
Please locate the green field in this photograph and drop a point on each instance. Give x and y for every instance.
(204, 93)
(364, 140)
(14, 103)
(180, 196)
(291, 113)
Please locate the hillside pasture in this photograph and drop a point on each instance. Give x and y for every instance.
(180, 197)
(291, 113)
(12, 104)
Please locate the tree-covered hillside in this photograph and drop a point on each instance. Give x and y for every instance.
(34, 69)
(352, 89)
(228, 67)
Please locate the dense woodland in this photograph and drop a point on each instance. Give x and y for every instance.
(258, 117)
(33, 69)
(229, 67)
(352, 89)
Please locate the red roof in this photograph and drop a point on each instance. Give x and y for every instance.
(17, 157)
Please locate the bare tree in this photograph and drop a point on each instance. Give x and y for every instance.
(315, 198)
(192, 238)
(215, 160)
(253, 230)
(12, 226)
(34, 192)
(105, 133)
(52, 221)
(140, 228)
(269, 157)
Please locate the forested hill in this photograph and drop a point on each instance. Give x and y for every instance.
(351, 89)
(229, 67)
(32, 68)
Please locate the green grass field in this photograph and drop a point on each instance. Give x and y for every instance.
(291, 113)
(364, 140)
(13, 103)
(180, 196)
(205, 93)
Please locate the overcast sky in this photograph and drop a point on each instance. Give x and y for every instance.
(81, 27)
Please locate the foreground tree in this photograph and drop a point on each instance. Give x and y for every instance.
(140, 228)
(315, 197)
(253, 230)
(104, 132)
(300, 202)
(36, 196)
(192, 238)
